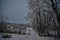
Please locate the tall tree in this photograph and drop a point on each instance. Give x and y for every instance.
(35, 15)
(55, 8)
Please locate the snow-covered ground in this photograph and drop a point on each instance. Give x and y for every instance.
(33, 36)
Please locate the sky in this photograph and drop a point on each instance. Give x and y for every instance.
(15, 10)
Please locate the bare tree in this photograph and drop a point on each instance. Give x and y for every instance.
(54, 6)
(3, 20)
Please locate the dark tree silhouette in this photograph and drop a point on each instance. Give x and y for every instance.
(3, 20)
(55, 8)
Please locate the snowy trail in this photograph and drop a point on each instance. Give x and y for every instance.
(33, 36)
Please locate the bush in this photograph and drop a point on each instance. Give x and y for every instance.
(19, 32)
(24, 33)
(6, 36)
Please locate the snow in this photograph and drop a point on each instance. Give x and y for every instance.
(33, 36)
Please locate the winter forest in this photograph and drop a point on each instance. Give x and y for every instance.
(43, 22)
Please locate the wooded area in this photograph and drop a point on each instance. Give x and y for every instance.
(44, 17)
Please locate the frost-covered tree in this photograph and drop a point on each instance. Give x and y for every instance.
(36, 15)
(42, 16)
(56, 9)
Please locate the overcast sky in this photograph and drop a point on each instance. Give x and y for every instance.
(15, 9)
